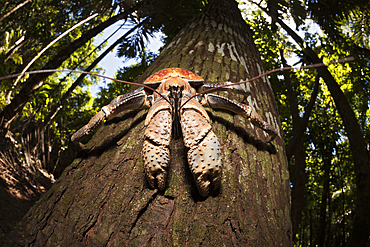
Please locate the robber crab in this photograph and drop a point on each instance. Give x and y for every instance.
(174, 99)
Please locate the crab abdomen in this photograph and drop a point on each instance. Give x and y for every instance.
(204, 155)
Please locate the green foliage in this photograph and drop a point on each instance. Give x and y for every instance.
(9, 59)
(26, 32)
(325, 137)
(344, 22)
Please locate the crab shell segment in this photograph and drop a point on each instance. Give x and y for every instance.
(158, 77)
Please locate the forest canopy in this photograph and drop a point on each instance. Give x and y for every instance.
(327, 149)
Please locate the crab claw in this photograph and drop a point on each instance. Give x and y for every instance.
(155, 148)
(257, 120)
(204, 155)
(205, 163)
(156, 161)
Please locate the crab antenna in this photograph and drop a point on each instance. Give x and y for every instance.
(82, 72)
(343, 60)
(347, 59)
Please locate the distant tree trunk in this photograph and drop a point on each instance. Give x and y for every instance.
(102, 198)
(299, 127)
(322, 232)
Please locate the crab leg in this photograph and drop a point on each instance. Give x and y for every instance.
(216, 87)
(135, 100)
(137, 92)
(204, 155)
(219, 102)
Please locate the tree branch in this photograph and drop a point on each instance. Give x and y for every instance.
(44, 49)
(57, 87)
(14, 9)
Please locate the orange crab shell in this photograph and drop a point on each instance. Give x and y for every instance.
(173, 72)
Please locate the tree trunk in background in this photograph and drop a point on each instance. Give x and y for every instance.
(102, 198)
(324, 201)
(299, 175)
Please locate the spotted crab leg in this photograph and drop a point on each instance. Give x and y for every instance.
(224, 86)
(204, 155)
(217, 87)
(135, 100)
(219, 102)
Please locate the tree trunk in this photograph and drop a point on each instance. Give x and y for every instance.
(322, 232)
(299, 174)
(102, 199)
(297, 137)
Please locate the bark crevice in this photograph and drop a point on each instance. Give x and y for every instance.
(142, 211)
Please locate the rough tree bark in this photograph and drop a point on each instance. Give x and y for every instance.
(102, 198)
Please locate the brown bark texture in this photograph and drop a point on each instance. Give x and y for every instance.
(102, 198)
